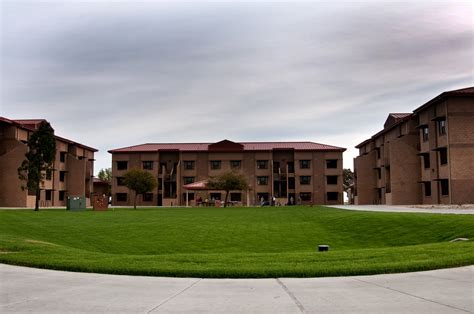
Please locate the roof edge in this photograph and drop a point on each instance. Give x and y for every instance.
(19, 125)
(125, 149)
(467, 92)
(384, 131)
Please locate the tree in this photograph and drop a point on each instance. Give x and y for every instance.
(348, 179)
(228, 181)
(139, 181)
(39, 159)
(105, 175)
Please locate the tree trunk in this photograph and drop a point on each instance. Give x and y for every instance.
(226, 198)
(135, 201)
(38, 195)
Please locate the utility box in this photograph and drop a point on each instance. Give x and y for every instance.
(76, 203)
(323, 248)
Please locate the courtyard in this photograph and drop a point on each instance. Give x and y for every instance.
(237, 242)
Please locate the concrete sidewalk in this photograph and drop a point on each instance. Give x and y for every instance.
(403, 209)
(44, 291)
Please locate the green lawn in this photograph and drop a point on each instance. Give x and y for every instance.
(235, 242)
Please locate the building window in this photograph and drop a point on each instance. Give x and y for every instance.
(444, 187)
(236, 197)
(331, 179)
(291, 167)
(291, 182)
(62, 176)
(120, 181)
(148, 197)
(305, 164)
(305, 180)
(425, 134)
(62, 156)
(121, 197)
(276, 167)
(122, 165)
(262, 164)
(49, 175)
(215, 164)
(379, 173)
(188, 180)
(426, 160)
(305, 196)
(49, 195)
(443, 156)
(427, 188)
(442, 127)
(331, 163)
(378, 152)
(235, 164)
(62, 195)
(379, 194)
(147, 165)
(262, 180)
(332, 196)
(188, 164)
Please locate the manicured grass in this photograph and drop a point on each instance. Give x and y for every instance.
(234, 242)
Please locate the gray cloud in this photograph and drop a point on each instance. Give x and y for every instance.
(112, 74)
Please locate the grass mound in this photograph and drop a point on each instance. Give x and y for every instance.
(235, 242)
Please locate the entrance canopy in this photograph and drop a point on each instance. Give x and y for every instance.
(202, 186)
(197, 186)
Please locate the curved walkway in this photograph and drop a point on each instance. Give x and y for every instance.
(403, 209)
(35, 290)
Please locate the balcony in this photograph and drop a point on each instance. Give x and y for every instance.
(170, 177)
(279, 177)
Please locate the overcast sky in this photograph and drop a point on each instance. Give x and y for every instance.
(110, 74)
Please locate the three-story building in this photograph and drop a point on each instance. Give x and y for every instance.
(298, 172)
(72, 175)
(424, 157)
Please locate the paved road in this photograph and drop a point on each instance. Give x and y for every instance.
(44, 291)
(403, 209)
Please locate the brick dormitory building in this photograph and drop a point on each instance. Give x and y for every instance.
(306, 172)
(423, 157)
(72, 175)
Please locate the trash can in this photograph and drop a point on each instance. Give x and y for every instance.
(100, 202)
(76, 203)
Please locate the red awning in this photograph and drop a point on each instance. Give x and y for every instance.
(199, 185)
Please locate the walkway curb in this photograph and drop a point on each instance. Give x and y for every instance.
(403, 209)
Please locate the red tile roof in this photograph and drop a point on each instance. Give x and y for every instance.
(99, 181)
(199, 185)
(400, 115)
(247, 146)
(395, 118)
(32, 124)
(29, 123)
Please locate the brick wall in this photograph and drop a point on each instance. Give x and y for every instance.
(366, 179)
(202, 171)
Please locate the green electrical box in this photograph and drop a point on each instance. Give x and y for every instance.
(76, 203)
